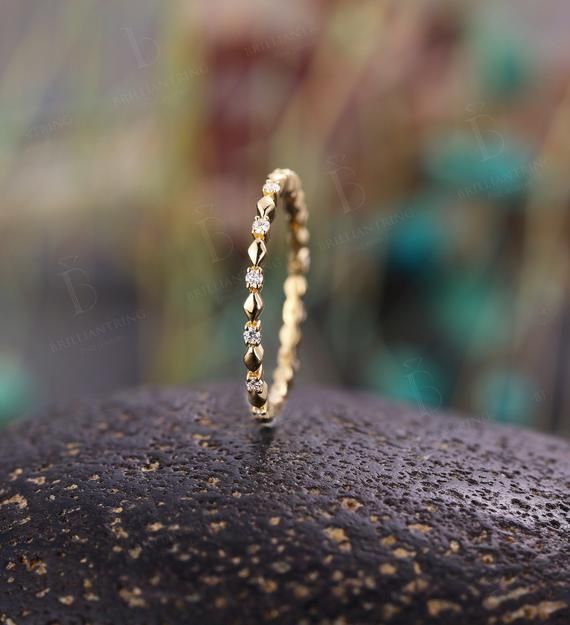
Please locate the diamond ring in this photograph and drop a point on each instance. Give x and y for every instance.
(282, 185)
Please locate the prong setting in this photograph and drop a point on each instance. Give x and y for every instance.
(252, 334)
(254, 278)
(271, 188)
(260, 226)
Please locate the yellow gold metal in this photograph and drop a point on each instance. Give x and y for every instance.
(259, 398)
(253, 357)
(283, 186)
(257, 251)
(292, 311)
(301, 216)
(300, 261)
(257, 374)
(289, 335)
(302, 235)
(253, 306)
(266, 207)
(295, 286)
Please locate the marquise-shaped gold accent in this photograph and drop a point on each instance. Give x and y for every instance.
(257, 251)
(253, 357)
(253, 306)
(266, 207)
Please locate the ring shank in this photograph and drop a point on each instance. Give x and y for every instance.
(281, 184)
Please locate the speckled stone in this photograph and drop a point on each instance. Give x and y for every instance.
(171, 506)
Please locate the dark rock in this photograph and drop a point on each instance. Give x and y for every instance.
(171, 506)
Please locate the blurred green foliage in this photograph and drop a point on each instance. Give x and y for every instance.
(16, 389)
(506, 396)
(431, 139)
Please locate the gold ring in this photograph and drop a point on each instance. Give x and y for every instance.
(283, 185)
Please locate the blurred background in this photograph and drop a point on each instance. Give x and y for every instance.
(433, 139)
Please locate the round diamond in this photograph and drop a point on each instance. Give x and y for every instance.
(251, 336)
(254, 385)
(254, 278)
(271, 187)
(260, 225)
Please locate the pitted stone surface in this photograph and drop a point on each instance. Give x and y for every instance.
(170, 506)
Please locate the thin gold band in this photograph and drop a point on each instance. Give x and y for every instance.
(281, 184)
